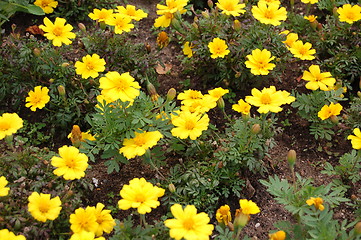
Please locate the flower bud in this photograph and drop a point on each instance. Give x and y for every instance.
(314, 24)
(171, 187)
(359, 94)
(236, 25)
(148, 47)
(152, 91)
(205, 14)
(256, 128)
(51, 80)
(334, 119)
(319, 27)
(171, 94)
(65, 64)
(102, 25)
(220, 103)
(240, 219)
(37, 52)
(358, 228)
(334, 12)
(82, 27)
(61, 90)
(210, 3)
(291, 157)
(353, 197)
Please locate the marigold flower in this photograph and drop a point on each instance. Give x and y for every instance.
(223, 214)
(171, 6)
(202, 105)
(269, 100)
(291, 39)
(355, 140)
(302, 51)
(280, 235)
(47, 5)
(141, 195)
(119, 86)
(269, 13)
(188, 96)
(248, 207)
(188, 224)
(104, 219)
(10, 123)
(138, 145)
(164, 20)
(120, 22)
(58, 32)
(187, 49)
(42, 207)
(7, 235)
(349, 13)
(71, 164)
(317, 202)
(190, 125)
(162, 39)
(85, 236)
(84, 220)
(90, 67)
(242, 107)
(37, 98)
(132, 12)
(218, 48)
(231, 7)
(4, 191)
(310, 18)
(102, 15)
(271, 1)
(317, 80)
(217, 93)
(330, 110)
(259, 62)
(309, 1)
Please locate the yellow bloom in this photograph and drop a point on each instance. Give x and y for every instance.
(90, 67)
(58, 32)
(202, 105)
(102, 15)
(188, 96)
(259, 62)
(271, 1)
(328, 111)
(242, 107)
(269, 13)
(217, 93)
(302, 51)
(120, 22)
(71, 164)
(10, 123)
(47, 5)
(318, 80)
(138, 145)
(188, 224)
(132, 12)
(190, 125)
(164, 20)
(4, 191)
(310, 18)
(280, 235)
(309, 1)
(231, 7)
(162, 39)
(172, 6)
(85, 236)
(223, 214)
(42, 207)
(37, 98)
(218, 48)
(187, 49)
(317, 202)
(105, 221)
(349, 13)
(115, 86)
(7, 235)
(248, 207)
(291, 39)
(84, 220)
(355, 140)
(141, 195)
(269, 100)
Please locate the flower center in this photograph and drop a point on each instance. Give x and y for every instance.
(4, 126)
(140, 197)
(303, 51)
(190, 125)
(57, 31)
(188, 223)
(70, 162)
(90, 66)
(351, 15)
(131, 12)
(139, 141)
(265, 98)
(269, 14)
(229, 7)
(44, 207)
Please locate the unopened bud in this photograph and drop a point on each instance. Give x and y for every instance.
(37, 52)
(236, 25)
(152, 91)
(102, 25)
(171, 187)
(82, 27)
(148, 47)
(358, 228)
(334, 119)
(314, 24)
(291, 157)
(51, 80)
(344, 116)
(240, 219)
(61, 90)
(359, 94)
(171, 94)
(205, 14)
(220, 103)
(195, 25)
(334, 12)
(319, 27)
(65, 64)
(353, 197)
(256, 128)
(210, 3)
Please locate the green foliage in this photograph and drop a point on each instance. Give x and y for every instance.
(353, 118)
(9, 7)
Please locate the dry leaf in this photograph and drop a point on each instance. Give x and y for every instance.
(35, 30)
(163, 70)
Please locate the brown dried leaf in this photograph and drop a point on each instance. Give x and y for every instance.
(35, 30)
(163, 70)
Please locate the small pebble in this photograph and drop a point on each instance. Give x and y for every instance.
(257, 225)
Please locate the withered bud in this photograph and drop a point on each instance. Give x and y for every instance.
(210, 3)
(358, 228)
(230, 226)
(61, 90)
(291, 157)
(319, 26)
(334, 119)
(82, 27)
(220, 164)
(171, 94)
(236, 25)
(151, 89)
(256, 128)
(171, 187)
(205, 14)
(37, 52)
(148, 47)
(314, 24)
(353, 197)
(240, 219)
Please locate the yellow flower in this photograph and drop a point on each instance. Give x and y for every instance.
(102, 15)
(120, 22)
(223, 215)
(77, 136)
(202, 105)
(138, 145)
(309, 1)
(310, 18)
(355, 140)
(47, 5)
(162, 39)
(90, 67)
(318, 80)
(115, 86)
(37, 98)
(217, 93)
(84, 220)
(7, 235)
(291, 39)
(71, 164)
(141, 195)
(4, 191)
(42, 207)
(132, 12)
(218, 48)
(164, 20)
(10, 123)
(190, 125)
(328, 111)
(271, 1)
(317, 202)
(259, 62)
(187, 49)
(302, 51)
(188, 224)
(280, 235)
(172, 6)
(58, 32)
(269, 100)
(248, 207)
(105, 221)
(85, 236)
(188, 96)
(231, 7)
(269, 13)
(242, 107)
(349, 13)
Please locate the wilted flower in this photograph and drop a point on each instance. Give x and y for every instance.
(132, 12)
(190, 125)
(162, 39)
(231, 7)
(37, 98)
(269, 13)
(259, 62)
(10, 123)
(77, 136)
(58, 32)
(317, 80)
(47, 5)
(42, 207)
(218, 48)
(349, 13)
(355, 140)
(223, 215)
(101, 15)
(330, 110)
(302, 51)
(4, 191)
(90, 67)
(317, 202)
